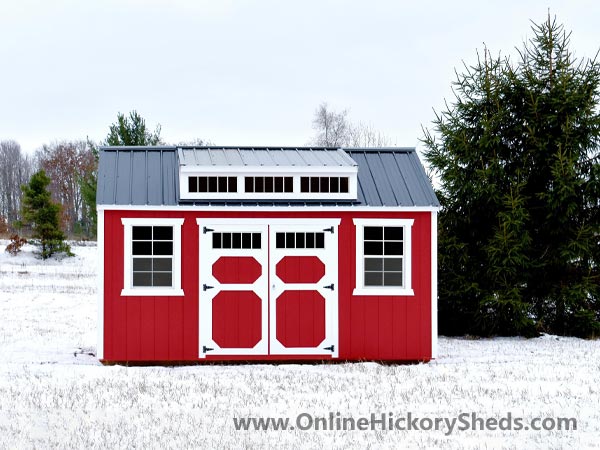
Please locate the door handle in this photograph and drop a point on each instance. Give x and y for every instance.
(329, 286)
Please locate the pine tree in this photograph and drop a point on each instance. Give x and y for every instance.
(126, 131)
(44, 216)
(518, 162)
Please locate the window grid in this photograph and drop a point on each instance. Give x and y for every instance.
(212, 184)
(324, 184)
(269, 184)
(383, 250)
(236, 240)
(300, 240)
(152, 256)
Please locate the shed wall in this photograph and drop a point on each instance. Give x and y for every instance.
(166, 328)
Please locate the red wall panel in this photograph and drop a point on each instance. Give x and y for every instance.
(166, 328)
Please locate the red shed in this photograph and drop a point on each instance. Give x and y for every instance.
(245, 253)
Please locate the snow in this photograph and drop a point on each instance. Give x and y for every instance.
(53, 393)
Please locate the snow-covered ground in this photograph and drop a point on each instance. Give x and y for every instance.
(54, 394)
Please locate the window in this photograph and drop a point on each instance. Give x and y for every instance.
(236, 240)
(212, 184)
(324, 184)
(383, 256)
(152, 250)
(269, 184)
(300, 240)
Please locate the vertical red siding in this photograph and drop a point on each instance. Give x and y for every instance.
(166, 328)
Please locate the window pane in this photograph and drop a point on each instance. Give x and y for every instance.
(392, 279)
(393, 264)
(310, 240)
(304, 184)
(393, 233)
(300, 240)
(236, 239)
(163, 248)
(232, 184)
(393, 248)
(334, 184)
(246, 240)
(289, 240)
(259, 184)
(141, 233)
(163, 233)
(226, 240)
(249, 184)
(163, 264)
(216, 240)
(202, 184)
(373, 233)
(344, 184)
(222, 184)
(314, 184)
(161, 279)
(141, 248)
(142, 278)
(280, 240)
(289, 184)
(255, 240)
(373, 279)
(142, 264)
(268, 184)
(324, 184)
(212, 184)
(374, 264)
(373, 248)
(193, 184)
(320, 241)
(278, 184)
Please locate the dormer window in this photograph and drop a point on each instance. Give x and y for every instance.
(304, 174)
(212, 184)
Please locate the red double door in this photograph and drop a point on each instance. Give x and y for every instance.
(268, 288)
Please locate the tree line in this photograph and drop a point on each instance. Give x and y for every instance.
(517, 163)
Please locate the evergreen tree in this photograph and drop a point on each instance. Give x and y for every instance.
(126, 131)
(518, 162)
(43, 215)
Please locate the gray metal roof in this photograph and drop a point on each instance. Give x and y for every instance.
(150, 175)
(263, 156)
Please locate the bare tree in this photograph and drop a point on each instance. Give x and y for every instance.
(363, 135)
(15, 170)
(66, 163)
(335, 129)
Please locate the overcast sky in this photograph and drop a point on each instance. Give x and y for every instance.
(250, 72)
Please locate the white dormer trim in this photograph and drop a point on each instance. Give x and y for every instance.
(243, 171)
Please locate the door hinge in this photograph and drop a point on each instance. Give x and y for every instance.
(331, 348)
(330, 286)
(206, 230)
(206, 287)
(206, 349)
(330, 229)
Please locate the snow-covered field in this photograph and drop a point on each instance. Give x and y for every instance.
(54, 394)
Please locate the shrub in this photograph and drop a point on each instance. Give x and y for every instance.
(16, 242)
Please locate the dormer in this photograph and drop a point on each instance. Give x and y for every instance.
(250, 173)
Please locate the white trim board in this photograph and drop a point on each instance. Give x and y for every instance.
(434, 287)
(282, 209)
(100, 249)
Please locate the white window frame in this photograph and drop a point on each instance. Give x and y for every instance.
(406, 288)
(150, 291)
(268, 171)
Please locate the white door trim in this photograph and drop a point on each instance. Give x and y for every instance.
(329, 256)
(207, 256)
